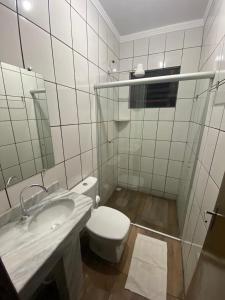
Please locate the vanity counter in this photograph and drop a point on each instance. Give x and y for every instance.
(29, 257)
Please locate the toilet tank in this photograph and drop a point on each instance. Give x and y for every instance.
(88, 187)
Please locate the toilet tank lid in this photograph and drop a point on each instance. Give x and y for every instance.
(85, 185)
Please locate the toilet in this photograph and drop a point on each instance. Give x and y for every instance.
(108, 228)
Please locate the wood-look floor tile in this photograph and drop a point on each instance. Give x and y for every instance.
(146, 210)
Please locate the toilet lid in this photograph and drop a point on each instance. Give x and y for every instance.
(108, 223)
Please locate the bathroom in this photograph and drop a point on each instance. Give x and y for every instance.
(112, 142)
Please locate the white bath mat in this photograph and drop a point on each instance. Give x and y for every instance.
(148, 270)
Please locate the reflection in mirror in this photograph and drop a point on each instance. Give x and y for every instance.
(25, 136)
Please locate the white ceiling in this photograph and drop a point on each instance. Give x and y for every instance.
(131, 16)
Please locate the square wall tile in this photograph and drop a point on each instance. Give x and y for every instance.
(134, 162)
(174, 168)
(38, 12)
(148, 148)
(190, 60)
(81, 72)
(164, 130)
(180, 131)
(166, 114)
(174, 40)
(21, 131)
(157, 43)
(71, 141)
(10, 51)
(8, 156)
(158, 182)
(135, 146)
(177, 151)
(162, 149)
(173, 58)
(172, 185)
(160, 166)
(183, 110)
(13, 83)
(141, 47)
(85, 137)
(67, 105)
(73, 171)
(151, 114)
(156, 61)
(25, 151)
(147, 164)
(126, 64)
(64, 70)
(28, 169)
(80, 6)
(140, 60)
(136, 129)
(149, 130)
(37, 51)
(126, 49)
(193, 37)
(123, 161)
(60, 20)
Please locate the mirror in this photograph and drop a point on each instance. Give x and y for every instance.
(25, 136)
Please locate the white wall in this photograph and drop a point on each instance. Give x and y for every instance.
(152, 144)
(211, 162)
(71, 46)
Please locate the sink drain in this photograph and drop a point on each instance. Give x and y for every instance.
(54, 226)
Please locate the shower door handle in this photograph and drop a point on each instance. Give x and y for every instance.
(214, 215)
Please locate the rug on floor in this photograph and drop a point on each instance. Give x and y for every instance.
(148, 269)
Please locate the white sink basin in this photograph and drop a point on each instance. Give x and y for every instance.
(51, 216)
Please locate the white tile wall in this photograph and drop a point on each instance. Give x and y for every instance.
(210, 167)
(61, 42)
(163, 131)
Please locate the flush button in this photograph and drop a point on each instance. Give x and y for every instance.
(85, 184)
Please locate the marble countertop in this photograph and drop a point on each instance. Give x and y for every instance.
(24, 253)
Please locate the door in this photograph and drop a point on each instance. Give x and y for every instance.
(208, 282)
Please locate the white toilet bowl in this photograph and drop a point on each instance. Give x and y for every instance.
(108, 228)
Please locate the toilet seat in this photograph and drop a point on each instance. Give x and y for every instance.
(108, 223)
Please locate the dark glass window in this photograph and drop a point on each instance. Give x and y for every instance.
(155, 95)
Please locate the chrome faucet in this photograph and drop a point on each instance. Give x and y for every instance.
(24, 212)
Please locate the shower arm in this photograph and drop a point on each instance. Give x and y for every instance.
(158, 79)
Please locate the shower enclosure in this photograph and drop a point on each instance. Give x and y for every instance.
(147, 156)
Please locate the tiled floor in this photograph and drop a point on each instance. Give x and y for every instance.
(105, 281)
(146, 210)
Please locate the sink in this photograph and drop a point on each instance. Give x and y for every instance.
(51, 216)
